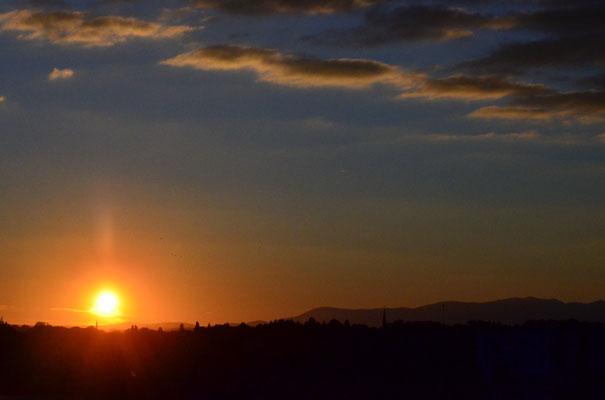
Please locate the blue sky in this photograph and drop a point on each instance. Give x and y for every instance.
(296, 154)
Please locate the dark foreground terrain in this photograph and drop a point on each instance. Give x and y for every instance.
(288, 360)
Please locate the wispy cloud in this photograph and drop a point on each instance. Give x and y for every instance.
(75, 310)
(517, 57)
(383, 26)
(72, 27)
(525, 100)
(61, 74)
(276, 67)
(470, 87)
(587, 106)
(573, 38)
(529, 136)
(511, 113)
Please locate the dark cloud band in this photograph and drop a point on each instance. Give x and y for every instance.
(266, 7)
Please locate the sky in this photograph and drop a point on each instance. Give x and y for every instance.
(240, 160)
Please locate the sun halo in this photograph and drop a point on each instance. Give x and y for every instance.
(106, 304)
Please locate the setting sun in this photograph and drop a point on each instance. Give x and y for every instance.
(106, 304)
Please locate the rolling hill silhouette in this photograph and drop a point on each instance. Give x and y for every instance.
(507, 311)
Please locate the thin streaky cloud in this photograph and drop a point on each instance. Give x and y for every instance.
(526, 100)
(539, 114)
(383, 26)
(81, 28)
(550, 53)
(468, 87)
(75, 310)
(531, 137)
(587, 107)
(491, 136)
(284, 69)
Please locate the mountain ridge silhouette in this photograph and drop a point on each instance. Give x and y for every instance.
(515, 310)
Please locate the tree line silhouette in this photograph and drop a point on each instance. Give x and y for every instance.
(290, 360)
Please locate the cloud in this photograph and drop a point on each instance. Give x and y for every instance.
(573, 38)
(525, 100)
(539, 3)
(492, 136)
(274, 66)
(111, 2)
(267, 7)
(587, 107)
(523, 136)
(517, 57)
(63, 27)
(587, 102)
(532, 137)
(75, 310)
(383, 25)
(284, 69)
(469, 87)
(573, 33)
(61, 74)
(387, 26)
(569, 20)
(511, 113)
(2, 98)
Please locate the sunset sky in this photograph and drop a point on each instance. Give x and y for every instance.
(235, 160)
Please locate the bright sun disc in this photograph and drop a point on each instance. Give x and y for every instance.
(106, 303)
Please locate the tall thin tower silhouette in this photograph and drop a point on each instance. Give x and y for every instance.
(384, 317)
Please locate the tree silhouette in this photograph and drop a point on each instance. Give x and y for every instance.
(412, 360)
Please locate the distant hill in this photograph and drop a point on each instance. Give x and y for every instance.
(508, 311)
